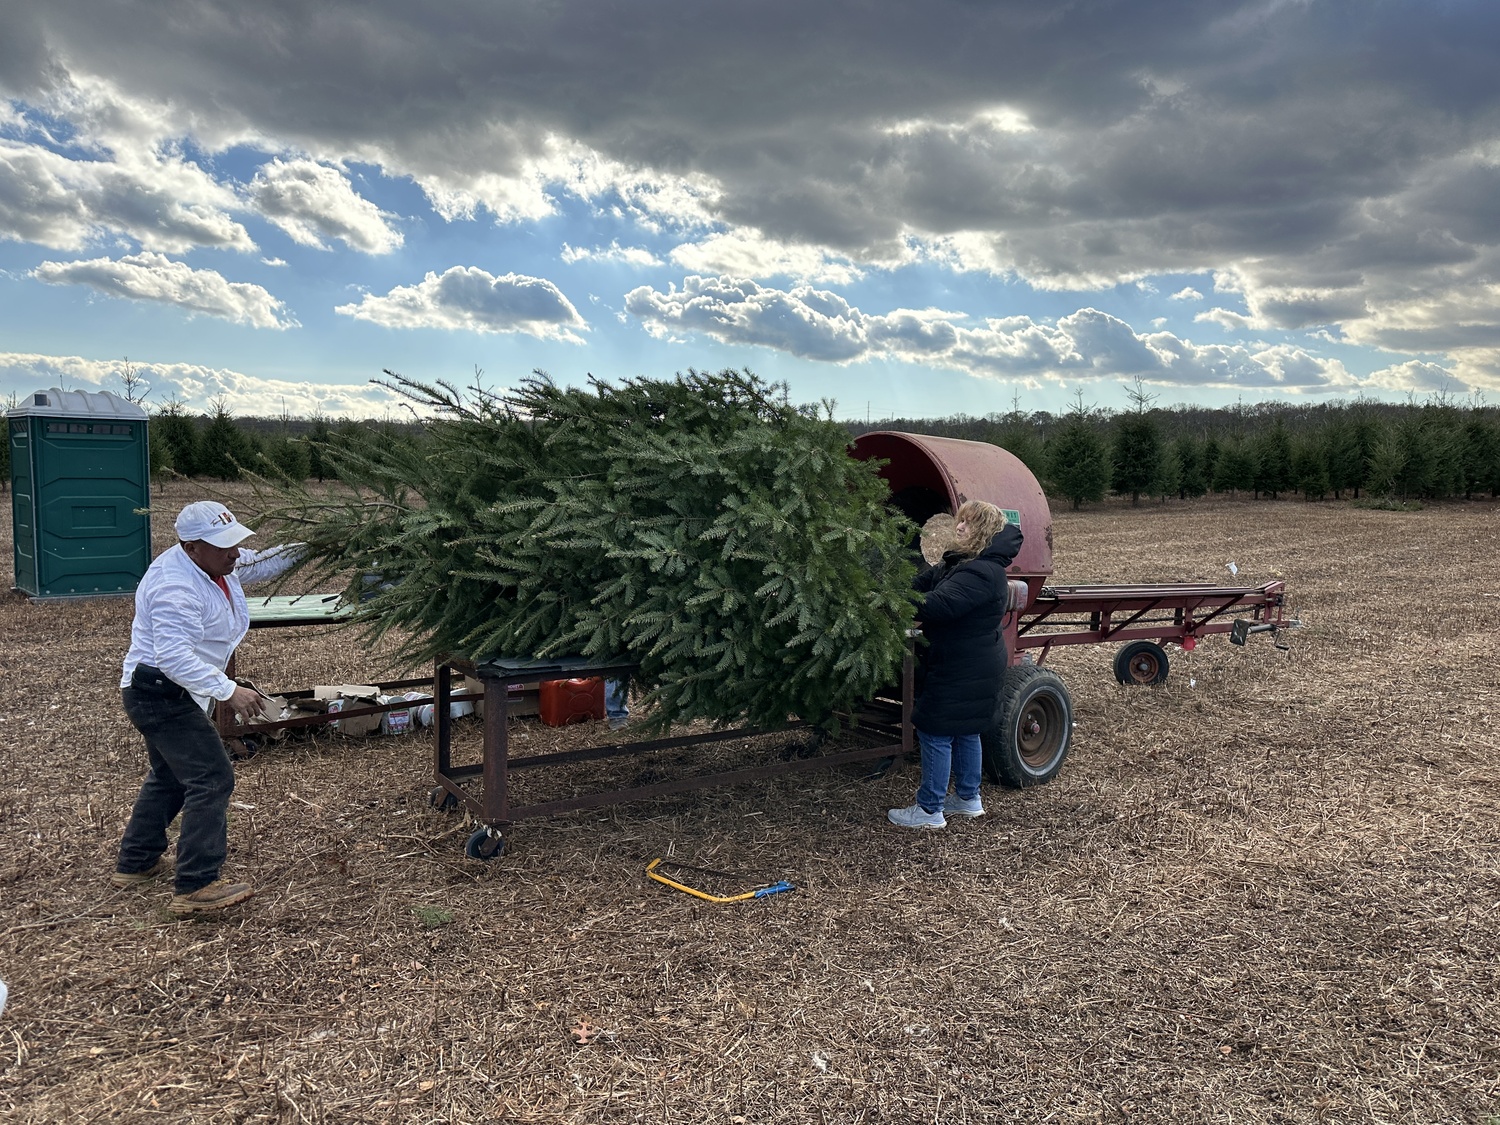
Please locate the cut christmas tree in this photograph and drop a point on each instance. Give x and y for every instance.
(701, 527)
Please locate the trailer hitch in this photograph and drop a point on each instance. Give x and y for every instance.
(1243, 627)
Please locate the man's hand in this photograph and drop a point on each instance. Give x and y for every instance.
(249, 703)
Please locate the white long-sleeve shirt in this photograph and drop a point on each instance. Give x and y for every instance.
(187, 628)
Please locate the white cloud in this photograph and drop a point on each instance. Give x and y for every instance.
(1187, 294)
(466, 298)
(747, 253)
(518, 175)
(1087, 344)
(1417, 377)
(154, 277)
(1450, 317)
(803, 322)
(1227, 319)
(999, 119)
(313, 203)
(197, 387)
(613, 254)
(164, 203)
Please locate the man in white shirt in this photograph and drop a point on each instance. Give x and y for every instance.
(190, 615)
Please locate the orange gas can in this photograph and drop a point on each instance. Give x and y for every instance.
(571, 701)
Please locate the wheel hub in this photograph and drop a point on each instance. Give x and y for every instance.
(1036, 733)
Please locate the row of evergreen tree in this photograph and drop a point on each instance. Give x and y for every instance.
(217, 445)
(221, 446)
(1438, 449)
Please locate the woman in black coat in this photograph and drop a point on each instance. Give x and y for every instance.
(961, 669)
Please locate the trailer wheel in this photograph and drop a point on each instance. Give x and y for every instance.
(485, 843)
(1036, 726)
(441, 799)
(1142, 662)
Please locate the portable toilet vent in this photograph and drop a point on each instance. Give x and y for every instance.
(80, 469)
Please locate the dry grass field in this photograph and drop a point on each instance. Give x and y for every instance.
(1265, 891)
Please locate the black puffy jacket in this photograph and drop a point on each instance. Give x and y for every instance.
(965, 658)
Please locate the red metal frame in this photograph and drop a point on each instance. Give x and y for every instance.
(1165, 613)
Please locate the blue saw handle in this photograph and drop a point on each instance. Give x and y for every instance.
(774, 888)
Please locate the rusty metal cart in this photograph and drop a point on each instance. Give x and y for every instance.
(882, 729)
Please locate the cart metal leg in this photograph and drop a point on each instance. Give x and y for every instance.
(496, 753)
(884, 735)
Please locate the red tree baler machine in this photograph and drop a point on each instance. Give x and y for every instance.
(930, 475)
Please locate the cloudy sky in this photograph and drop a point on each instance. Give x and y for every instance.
(912, 209)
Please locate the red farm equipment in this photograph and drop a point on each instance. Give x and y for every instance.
(930, 475)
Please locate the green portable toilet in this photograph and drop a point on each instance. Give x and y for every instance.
(80, 467)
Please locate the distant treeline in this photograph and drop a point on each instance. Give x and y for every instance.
(1399, 453)
(221, 446)
(1395, 453)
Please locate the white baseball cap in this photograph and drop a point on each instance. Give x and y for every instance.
(211, 522)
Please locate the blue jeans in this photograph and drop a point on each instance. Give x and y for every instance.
(190, 773)
(942, 754)
(615, 706)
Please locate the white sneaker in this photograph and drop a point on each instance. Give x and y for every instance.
(915, 816)
(954, 805)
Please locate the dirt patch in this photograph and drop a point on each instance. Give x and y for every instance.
(1266, 890)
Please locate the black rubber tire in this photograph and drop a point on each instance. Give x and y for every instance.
(441, 799)
(1035, 730)
(1142, 662)
(485, 844)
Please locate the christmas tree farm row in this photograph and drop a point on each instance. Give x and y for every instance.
(1361, 450)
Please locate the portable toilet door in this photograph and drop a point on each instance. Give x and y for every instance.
(80, 472)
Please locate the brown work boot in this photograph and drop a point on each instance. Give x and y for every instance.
(127, 879)
(216, 896)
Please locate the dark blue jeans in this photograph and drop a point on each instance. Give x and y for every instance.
(958, 755)
(190, 773)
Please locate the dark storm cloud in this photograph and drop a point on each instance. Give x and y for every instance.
(1336, 160)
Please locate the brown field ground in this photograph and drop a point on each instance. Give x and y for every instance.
(1266, 891)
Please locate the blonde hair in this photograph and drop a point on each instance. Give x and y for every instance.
(982, 520)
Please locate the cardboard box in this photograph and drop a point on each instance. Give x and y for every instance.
(519, 704)
(475, 686)
(278, 707)
(340, 691)
(348, 697)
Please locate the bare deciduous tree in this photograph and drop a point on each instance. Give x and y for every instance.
(135, 386)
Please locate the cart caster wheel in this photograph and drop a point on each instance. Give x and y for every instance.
(1141, 662)
(442, 800)
(485, 843)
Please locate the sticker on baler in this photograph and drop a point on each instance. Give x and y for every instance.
(1012, 516)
